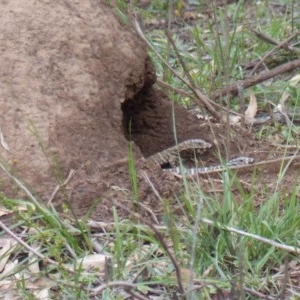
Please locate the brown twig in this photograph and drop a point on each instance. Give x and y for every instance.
(35, 252)
(282, 293)
(135, 295)
(162, 242)
(248, 82)
(98, 290)
(208, 104)
(270, 40)
(187, 94)
(258, 294)
(233, 230)
(179, 91)
(272, 51)
(58, 187)
(206, 101)
(185, 70)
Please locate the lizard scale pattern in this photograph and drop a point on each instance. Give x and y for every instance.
(239, 161)
(170, 155)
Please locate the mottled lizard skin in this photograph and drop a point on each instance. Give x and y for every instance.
(239, 161)
(170, 155)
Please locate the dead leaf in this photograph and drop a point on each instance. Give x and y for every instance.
(7, 245)
(43, 294)
(4, 211)
(3, 143)
(33, 265)
(9, 268)
(251, 111)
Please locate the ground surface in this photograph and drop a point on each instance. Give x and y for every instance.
(76, 86)
(67, 102)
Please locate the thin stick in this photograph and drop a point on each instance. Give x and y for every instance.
(23, 187)
(162, 242)
(270, 40)
(248, 82)
(288, 248)
(185, 70)
(36, 253)
(124, 284)
(272, 51)
(187, 94)
(208, 104)
(59, 186)
(291, 249)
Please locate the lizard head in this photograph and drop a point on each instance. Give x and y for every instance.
(199, 144)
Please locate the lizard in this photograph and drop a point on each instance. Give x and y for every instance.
(169, 157)
(239, 161)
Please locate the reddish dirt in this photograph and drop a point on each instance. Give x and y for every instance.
(68, 95)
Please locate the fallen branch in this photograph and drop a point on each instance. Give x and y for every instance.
(232, 90)
(271, 40)
(280, 45)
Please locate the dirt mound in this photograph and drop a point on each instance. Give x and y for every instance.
(75, 85)
(66, 69)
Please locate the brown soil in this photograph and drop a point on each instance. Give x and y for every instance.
(74, 80)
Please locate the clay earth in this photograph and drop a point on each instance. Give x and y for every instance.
(76, 86)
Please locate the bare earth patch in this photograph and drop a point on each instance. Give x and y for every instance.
(78, 89)
(73, 81)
